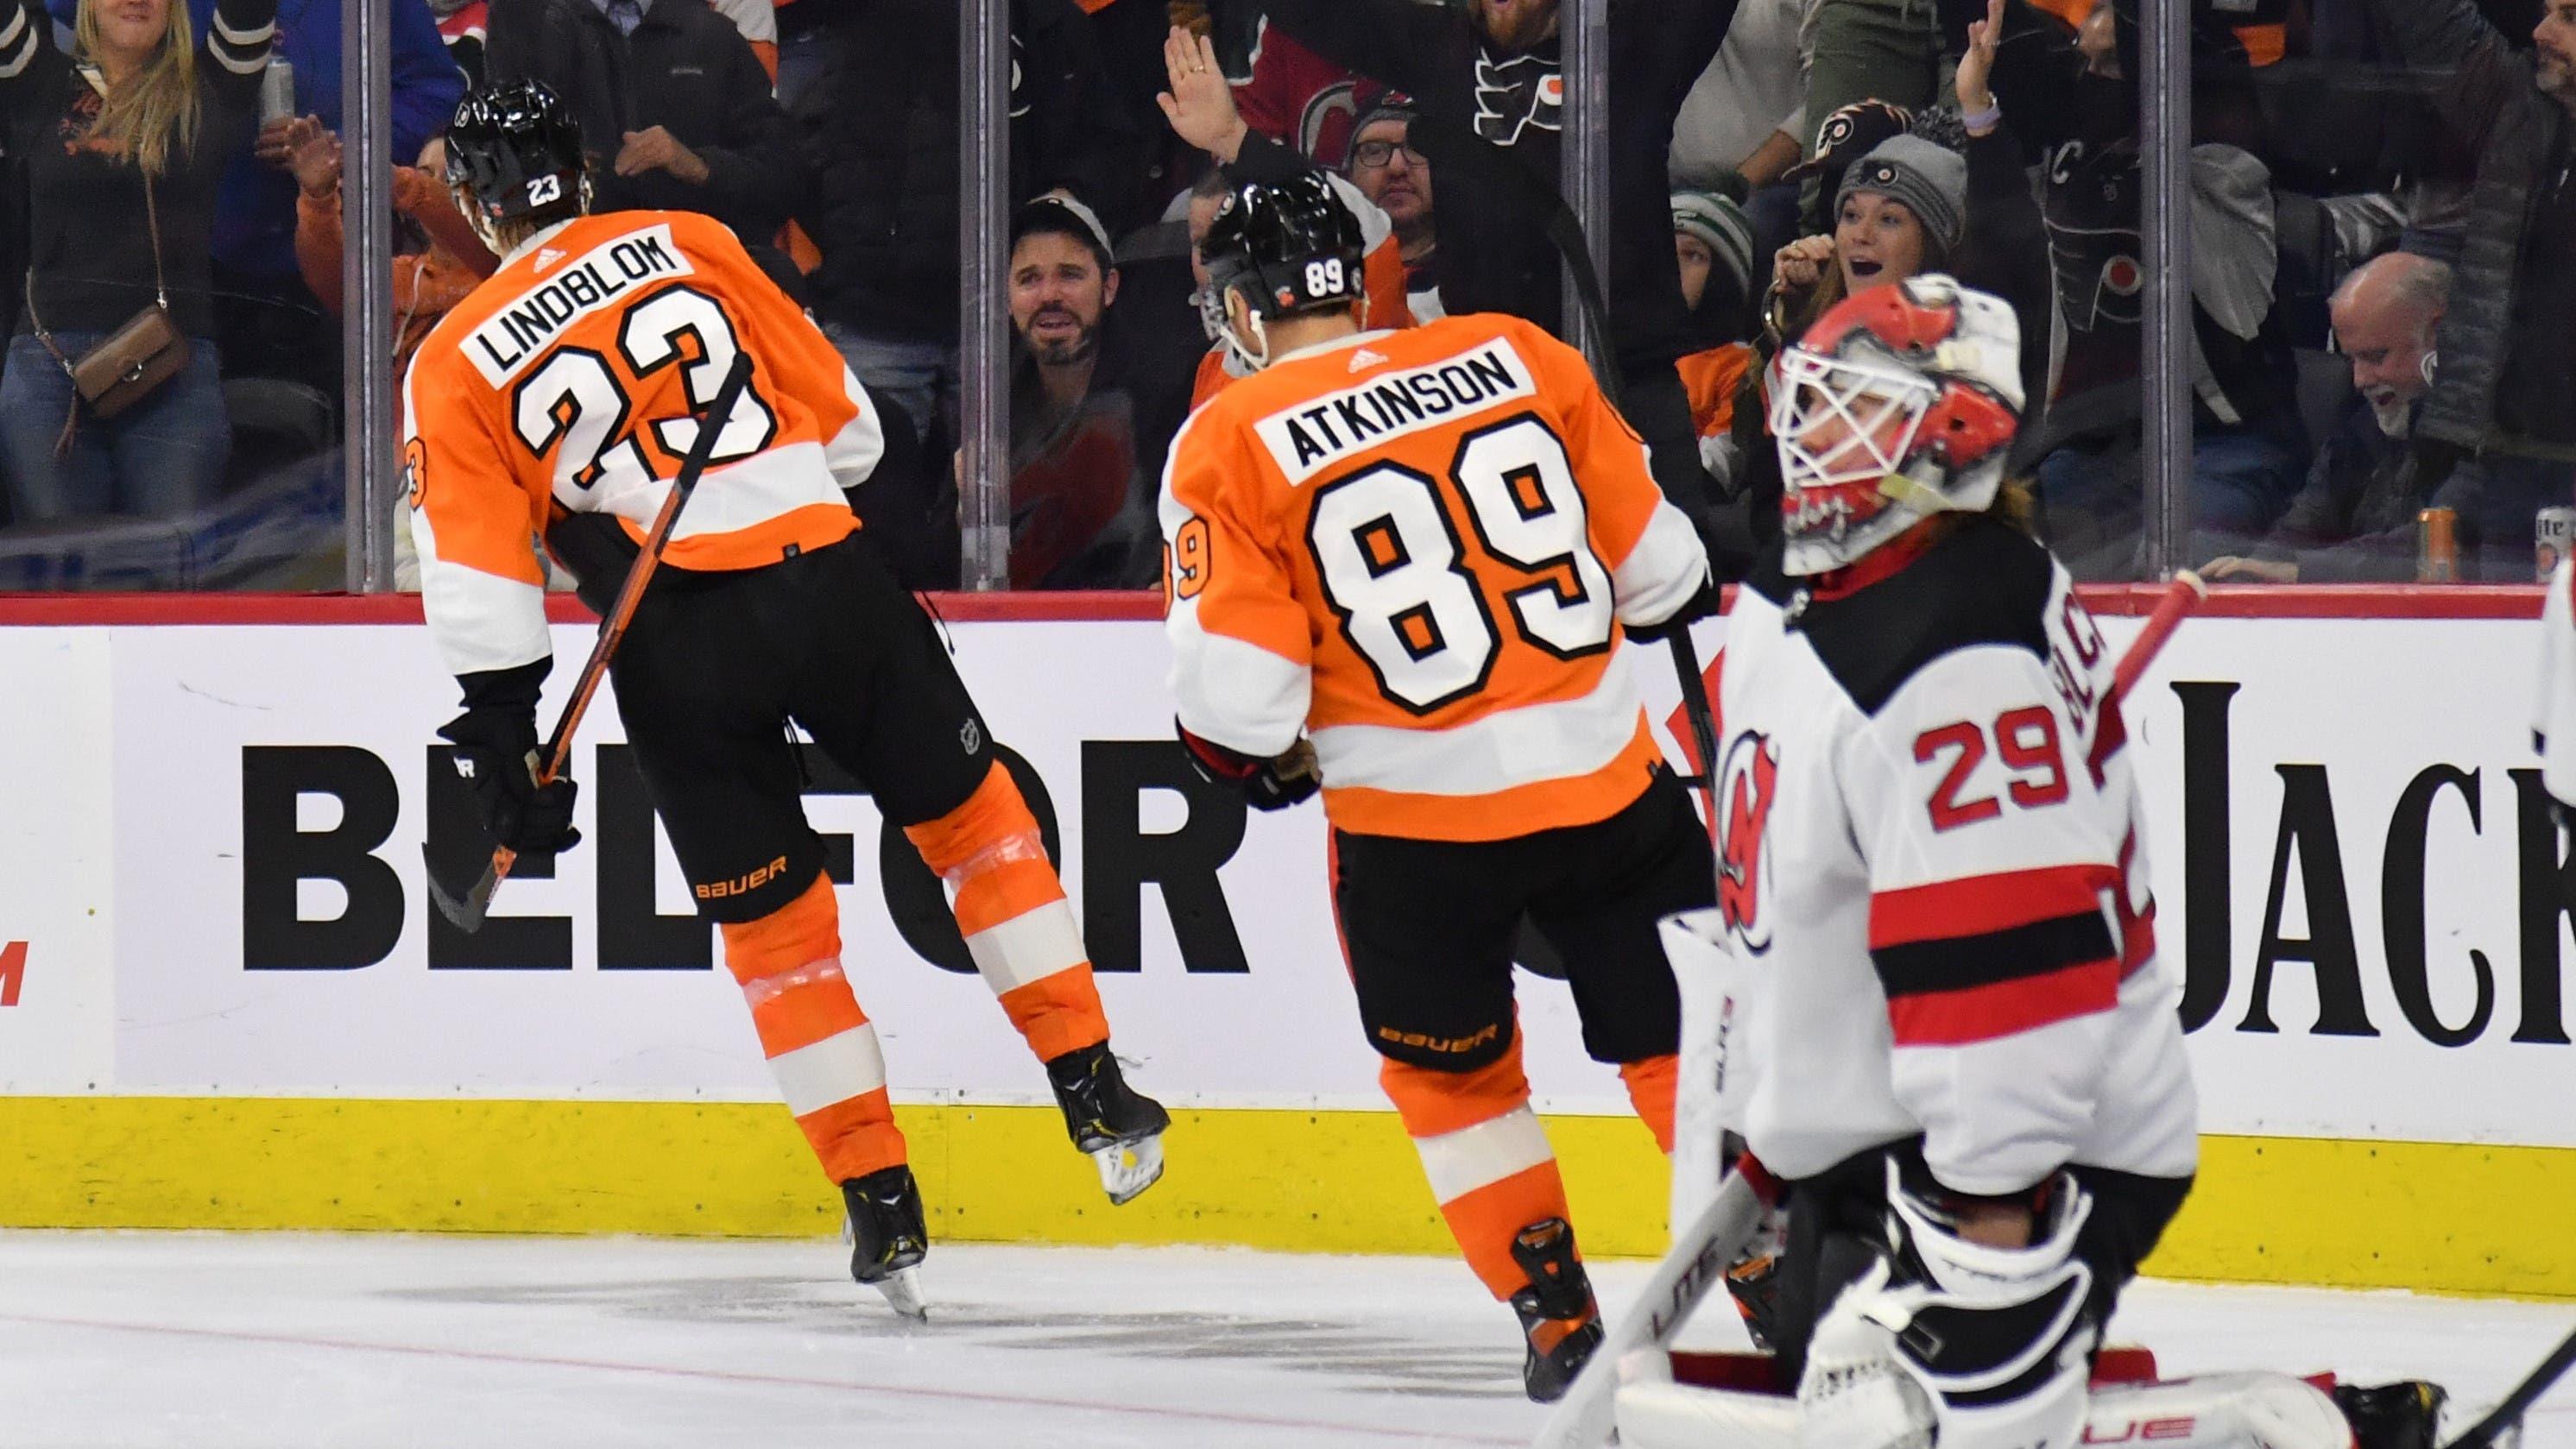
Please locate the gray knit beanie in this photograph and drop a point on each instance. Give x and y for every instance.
(1930, 179)
(1719, 222)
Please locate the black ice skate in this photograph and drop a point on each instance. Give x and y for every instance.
(1120, 1127)
(884, 1229)
(2402, 1415)
(1556, 1309)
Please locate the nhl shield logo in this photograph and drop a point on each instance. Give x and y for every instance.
(1748, 781)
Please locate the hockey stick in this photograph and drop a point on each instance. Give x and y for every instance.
(1697, 1263)
(1698, 1259)
(2181, 597)
(467, 914)
(2508, 1415)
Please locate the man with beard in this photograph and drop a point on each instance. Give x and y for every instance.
(2355, 519)
(1077, 509)
(1491, 72)
(1388, 171)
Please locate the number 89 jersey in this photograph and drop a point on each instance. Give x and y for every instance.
(1420, 546)
(573, 378)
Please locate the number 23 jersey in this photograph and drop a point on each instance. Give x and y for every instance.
(1933, 874)
(1420, 546)
(573, 378)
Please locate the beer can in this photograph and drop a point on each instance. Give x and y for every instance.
(276, 92)
(2437, 546)
(2554, 532)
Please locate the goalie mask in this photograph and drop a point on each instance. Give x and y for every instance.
(514, 148)
(1900, 403)
(1284, 248)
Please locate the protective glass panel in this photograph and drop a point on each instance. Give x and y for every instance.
(170, 410)
(2384, 229)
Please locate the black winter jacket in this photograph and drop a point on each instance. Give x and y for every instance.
(685, 69)
(2520, 136)
(1493, 255)
(881, 132)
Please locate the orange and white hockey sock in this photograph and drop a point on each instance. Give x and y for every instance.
(819, 1044)
(1651, 1084)
(1011, 909)
(1486, 1155)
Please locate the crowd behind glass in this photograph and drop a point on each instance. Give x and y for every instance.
(2381, 359)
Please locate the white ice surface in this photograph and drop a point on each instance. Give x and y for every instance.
(212, 1341)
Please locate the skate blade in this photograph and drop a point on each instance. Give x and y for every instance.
(902, 1290)
(1128, 1168)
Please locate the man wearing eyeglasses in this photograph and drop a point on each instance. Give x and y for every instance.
(1388, 171)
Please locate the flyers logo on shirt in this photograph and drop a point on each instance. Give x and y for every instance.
(1748, 781)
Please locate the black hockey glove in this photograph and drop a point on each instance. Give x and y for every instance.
(496, 753)
(1273, 784)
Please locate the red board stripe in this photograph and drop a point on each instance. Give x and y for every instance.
(2290, 601)
(1981, 905)
(2004, 1008)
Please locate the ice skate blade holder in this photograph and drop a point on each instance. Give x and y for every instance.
(1128, 1168)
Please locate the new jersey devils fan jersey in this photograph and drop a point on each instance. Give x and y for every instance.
(572, 379)
(1421, 545)
(1933, 871)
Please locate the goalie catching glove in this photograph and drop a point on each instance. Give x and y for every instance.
(1267, 784)
(496, 753)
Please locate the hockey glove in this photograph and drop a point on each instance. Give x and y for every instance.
(496, 753)
(1700, 605)
(1273, 784)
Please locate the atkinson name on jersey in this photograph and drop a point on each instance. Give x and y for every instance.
(501, 347)
(1307, 439)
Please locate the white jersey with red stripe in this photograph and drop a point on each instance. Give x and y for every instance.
(1933, 868)
(2553, 715)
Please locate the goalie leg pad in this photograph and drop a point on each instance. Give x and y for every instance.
(1948, 1341)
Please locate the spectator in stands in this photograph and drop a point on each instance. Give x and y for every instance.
(1901, 210)
(2030, 91)
(2355, 519)
(1713, 242)
(674, 98)
(1079, 510)
(879, 128)
(1746, 118)
(433, 268)
(1487, 79)
(1201, 109)
(461, 24)
(1389, 172)
(2508, 342)
(125, 140)
(268, 323)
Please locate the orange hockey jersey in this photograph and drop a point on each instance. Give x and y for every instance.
(572, 379)
(1419, 547)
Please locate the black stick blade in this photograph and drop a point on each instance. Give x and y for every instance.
(465, 915)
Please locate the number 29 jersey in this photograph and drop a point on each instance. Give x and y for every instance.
(572, 379)
(1933, 874)
(1420, 546)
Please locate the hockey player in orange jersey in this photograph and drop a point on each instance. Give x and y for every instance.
(558, 399)
(1401, 561)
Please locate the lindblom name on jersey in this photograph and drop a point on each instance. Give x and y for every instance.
(517, 333)
(1311, 437)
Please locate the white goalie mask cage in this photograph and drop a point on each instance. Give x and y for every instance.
(1901, 402)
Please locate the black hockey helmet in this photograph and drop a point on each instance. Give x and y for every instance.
(516, 147)
(1286, 246)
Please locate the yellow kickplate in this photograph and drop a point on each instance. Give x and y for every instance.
(2429, 1216)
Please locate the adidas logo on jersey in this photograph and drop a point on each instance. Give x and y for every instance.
(1363, 360)
(547, 257)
